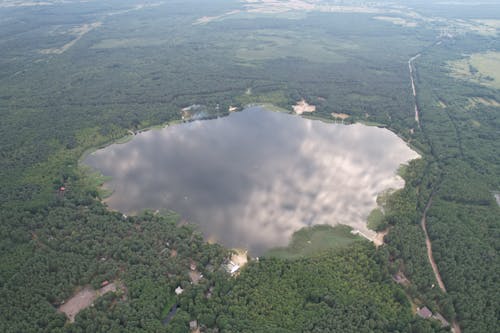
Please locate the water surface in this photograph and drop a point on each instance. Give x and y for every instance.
(251, 179)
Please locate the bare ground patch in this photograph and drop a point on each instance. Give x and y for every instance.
(397, 21)
(474, 101)
(303, 107)
(84, 298)
(341, 116)
(78, 32)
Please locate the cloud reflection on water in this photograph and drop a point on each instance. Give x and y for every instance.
(253, 178)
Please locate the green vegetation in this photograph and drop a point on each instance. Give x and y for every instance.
(341, 291)
(376, 220)
(140, 67)
(275, 44)
(312, 241)
(464, 169)
(483, 68)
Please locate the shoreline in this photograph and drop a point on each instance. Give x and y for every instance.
(371, 235)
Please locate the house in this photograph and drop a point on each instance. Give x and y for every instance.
(424, 312)
(179, 290)
(104, 283)
(193, 325)
(232, 267)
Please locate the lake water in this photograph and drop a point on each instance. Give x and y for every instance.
(253, 178)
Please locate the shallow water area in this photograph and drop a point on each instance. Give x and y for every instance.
(251, 179)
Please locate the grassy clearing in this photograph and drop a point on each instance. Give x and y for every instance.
(273, 98)
(128, 42)
(475, 101)
(312, 241)
(269, 44)
(482, 68)
(91, 179)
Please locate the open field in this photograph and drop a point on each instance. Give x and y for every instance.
(396, 20)
(85, 298)
(128, 42)
(312, 241)
(482, 68)
(274, 44)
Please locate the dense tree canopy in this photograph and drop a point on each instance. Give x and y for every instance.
(138, 69)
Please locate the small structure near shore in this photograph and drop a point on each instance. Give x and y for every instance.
(237, 261)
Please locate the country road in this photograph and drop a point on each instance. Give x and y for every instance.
(423, 221)
(428, 243)
(410, 67)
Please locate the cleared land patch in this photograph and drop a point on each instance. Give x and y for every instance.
(311, 241)
(303, 107)
(482, 68)
(270, 44)
(127, 42)
(85, 298)
(78, 32)
(396, 20)
(475, 101)
(486, 27)
(341, 116)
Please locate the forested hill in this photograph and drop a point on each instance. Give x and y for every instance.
(79, 75)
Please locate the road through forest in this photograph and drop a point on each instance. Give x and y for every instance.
(423, 222)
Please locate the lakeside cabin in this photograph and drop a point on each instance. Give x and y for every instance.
(232, 268)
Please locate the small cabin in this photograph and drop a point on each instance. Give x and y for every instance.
(424, 312)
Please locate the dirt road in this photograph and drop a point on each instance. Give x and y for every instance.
(423, 223)
(428, 243)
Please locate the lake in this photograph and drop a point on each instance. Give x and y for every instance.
(251, 179)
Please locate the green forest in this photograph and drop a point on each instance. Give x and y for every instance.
(68, 87)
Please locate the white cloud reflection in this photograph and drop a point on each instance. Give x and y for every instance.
(253, 178)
